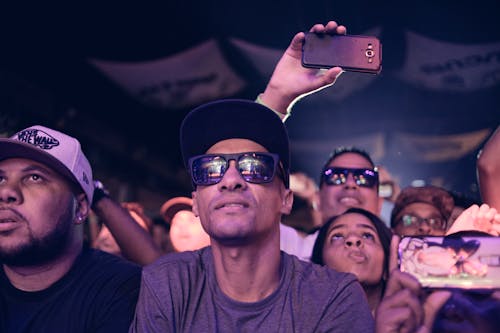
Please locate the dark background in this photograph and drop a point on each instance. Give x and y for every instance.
(46, 77)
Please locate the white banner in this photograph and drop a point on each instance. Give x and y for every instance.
(186, 79)
(443, 66)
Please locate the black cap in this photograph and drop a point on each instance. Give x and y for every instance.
(234, 119)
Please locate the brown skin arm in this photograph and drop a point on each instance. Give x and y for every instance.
(290, 81)
(488, 171)
(136, 243)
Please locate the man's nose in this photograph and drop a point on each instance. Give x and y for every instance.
(232, 179)
(10, 193)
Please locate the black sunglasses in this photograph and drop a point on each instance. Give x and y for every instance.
(338, 176)
(254, 167)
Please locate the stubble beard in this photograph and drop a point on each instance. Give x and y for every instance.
(40, 250)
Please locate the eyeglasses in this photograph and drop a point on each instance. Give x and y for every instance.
(253, 167)
(362, 177)
(412, 221)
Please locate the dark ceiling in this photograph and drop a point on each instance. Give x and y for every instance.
(47, 76)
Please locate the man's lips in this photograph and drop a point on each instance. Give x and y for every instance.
(9, 216)
(231, 204)
(349, 201)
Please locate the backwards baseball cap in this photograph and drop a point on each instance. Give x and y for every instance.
(57, 150)
(234, 119)
(174, 205)
(432, 195)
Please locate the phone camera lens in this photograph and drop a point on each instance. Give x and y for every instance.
(370, 53)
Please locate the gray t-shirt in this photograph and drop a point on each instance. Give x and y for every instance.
(179, 293)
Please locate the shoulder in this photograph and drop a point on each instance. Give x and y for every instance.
(172, 265)
(92, 258)
(96, 269)
(315, 276)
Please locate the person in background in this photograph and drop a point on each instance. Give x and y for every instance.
(49, 281)
(357, 242)
(238, 155)
(186, 232)
(124, 228)
(289, 83)
(105, 241)
(422, 211)
(161, 235)
(305, 215)
(348, 179)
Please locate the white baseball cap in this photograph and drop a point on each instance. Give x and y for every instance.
(57, 150)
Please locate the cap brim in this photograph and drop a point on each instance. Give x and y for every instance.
(174, 205)
(17, 149)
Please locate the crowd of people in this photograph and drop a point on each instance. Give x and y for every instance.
(226, 258)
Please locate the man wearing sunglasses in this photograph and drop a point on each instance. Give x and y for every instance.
(237, 153)
(348, 179)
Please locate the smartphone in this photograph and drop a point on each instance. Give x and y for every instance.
(452, 262)
(351, 52)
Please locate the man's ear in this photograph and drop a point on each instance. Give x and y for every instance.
(287, 202)
(82, 208)
(195, 204)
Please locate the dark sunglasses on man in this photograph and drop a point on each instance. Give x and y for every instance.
(363, 177)
(254, 167)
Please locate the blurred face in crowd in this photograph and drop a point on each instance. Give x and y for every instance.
(420, 218)
(352, 245)
(336, 199)
(107, 243)
(38, 209)
(186, 232)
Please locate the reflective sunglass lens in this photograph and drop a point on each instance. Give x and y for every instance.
(208, 170)
(256, 168)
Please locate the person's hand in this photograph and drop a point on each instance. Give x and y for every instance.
(290, 81)
(405, 307)
(484, 218)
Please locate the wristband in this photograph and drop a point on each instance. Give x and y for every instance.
(100, 192)
(282, 116)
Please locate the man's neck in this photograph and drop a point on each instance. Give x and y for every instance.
(247, 273)
(40, 277)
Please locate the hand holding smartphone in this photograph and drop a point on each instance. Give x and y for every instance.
(452, 262)
(351, 52)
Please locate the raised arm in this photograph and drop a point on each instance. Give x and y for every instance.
(290, 81)
(135, 242)
(488, 171)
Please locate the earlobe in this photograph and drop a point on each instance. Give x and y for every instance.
(287, 203)
(82, 208)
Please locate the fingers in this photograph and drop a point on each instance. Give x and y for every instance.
(331, 75)
(296, 43)
(399, 280)
(400, 309)
(393, 253)
(331, 28)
